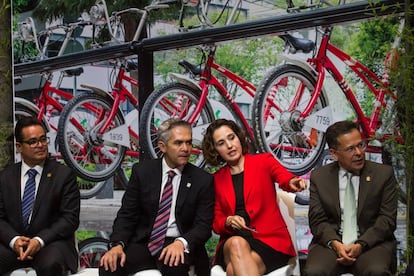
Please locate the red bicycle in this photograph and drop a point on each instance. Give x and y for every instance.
(48, 105)
(96, 139)
(188, 99)
(291, 109)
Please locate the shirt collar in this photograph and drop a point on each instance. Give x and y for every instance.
(166, 168)
(343, 172)
(26, 167)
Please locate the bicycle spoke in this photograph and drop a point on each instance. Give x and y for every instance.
(179, 101)
(281, 99)
(84, 122)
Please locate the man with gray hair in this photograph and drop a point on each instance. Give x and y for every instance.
(166, 213)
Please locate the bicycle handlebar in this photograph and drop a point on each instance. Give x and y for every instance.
(141, 11)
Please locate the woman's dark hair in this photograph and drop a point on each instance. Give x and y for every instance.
(209, 152)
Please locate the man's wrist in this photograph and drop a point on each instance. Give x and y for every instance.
(185, 244)
(41, 242)
(363, 244)
(329, 244)
(112, 244)
(11, 244)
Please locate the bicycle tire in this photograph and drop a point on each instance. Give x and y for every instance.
(91, 250)
(124, 172)
(280, 132)
(81, 146)
(298, 6)
(163, 104)
(22, 111)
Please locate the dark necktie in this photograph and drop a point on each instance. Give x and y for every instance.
(28, 197)
(159, 230)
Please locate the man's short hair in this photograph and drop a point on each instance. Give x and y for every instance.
(164, 133)
(23, 123)
(337, 129)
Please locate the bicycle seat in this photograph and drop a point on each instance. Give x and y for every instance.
(193, 68)
(300, 44)
(131, 65)
(74, 72)
(17, 80)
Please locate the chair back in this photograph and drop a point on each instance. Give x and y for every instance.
(286, 203)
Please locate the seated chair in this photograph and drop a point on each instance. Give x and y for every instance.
(148, 272)
(155, 272)
(286, 204)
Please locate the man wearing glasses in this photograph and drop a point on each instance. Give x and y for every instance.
(352, 210)
(39, 208)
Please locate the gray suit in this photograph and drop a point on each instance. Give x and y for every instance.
(376, 217)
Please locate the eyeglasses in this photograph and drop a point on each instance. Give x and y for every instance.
(351, 149)
(34, 142)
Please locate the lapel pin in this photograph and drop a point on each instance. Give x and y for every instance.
(188, 185)
(49, 174)
(368, 178)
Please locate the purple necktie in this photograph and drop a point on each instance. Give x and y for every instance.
(159, 230)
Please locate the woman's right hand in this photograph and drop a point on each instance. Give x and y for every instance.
(236, 222)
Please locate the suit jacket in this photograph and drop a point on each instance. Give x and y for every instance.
(261, 171)
(55, 215)
(194, 206)
(377, 205)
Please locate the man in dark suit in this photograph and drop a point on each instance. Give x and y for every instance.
(40, 232)
(189, 219)
(371, 247)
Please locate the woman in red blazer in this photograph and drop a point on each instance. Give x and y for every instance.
(254, 239)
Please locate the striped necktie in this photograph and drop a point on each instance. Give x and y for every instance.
(28, 197)
(159, 229)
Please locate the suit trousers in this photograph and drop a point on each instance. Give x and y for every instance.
(377, 260)
(139, 258)
(48, 261)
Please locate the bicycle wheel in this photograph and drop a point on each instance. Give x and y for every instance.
(82, 145)
(132, 154)
(280, 99)
(124, 173)
(305, 5)
(91, 251)
(174, 100)
(22, 111)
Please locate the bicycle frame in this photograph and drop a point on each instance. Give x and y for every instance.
(207, 79)
(120, 94)
(378, 86)
(46, 102)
